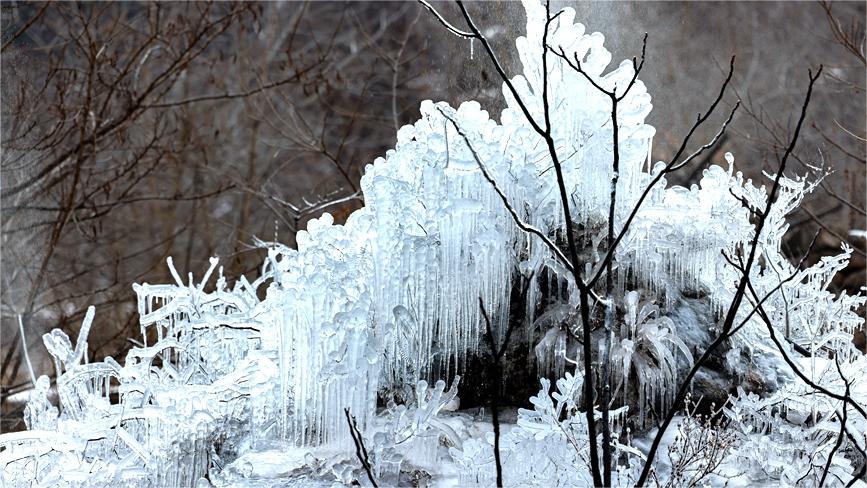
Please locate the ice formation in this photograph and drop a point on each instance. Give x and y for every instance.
(544, 447)
(388, 303)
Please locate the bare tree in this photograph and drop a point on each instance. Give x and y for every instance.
(136, 131)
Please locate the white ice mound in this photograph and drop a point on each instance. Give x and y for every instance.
(390, 300)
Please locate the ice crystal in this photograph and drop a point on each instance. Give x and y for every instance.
(548, 445)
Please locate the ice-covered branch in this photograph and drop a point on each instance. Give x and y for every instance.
(515, 217)
(725, 330)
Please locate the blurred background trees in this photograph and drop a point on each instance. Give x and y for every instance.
(136, 131)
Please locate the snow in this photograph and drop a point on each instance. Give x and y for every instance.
(249, 391)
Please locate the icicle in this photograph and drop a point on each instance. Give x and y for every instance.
(26, 352)
(391, 299)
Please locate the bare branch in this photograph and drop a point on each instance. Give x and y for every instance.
(24, 27)
(454, 30)
(229, 96)
(520, 223)
(495, 387)
(360, 449)
(739, 292)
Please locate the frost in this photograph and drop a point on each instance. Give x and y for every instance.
(40, 414)
(547, 446)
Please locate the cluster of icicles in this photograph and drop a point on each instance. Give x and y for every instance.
(392, 296)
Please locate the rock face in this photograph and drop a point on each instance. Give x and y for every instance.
(693, 319)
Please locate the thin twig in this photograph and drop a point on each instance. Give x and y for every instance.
(842, 427)
(24, 27)
(791, 363)
(360, 450)
(495, 389)
(520, 223)
(739, 292)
